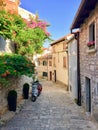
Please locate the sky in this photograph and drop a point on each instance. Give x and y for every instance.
(58, 13)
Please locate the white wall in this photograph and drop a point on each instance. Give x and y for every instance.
(72, 52)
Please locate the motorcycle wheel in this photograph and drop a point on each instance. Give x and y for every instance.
(39, 94)
(33, 98)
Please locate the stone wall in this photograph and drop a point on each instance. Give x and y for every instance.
(60, 72)
(6, 46)
(89, 62)
(16, 84)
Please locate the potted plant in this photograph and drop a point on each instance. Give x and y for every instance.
(12, 100)
(91, 44)
(26, 91)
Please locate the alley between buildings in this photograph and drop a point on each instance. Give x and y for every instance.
(53, 110)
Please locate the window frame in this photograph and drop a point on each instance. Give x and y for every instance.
(91, 23)
(50, 62)
(44, 63)
(64, 46)
(64, 61)
(54, 61)
(45, 74)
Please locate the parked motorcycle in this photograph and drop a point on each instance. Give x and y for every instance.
(36, 90)
(39, 87)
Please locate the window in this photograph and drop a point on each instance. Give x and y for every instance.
(53, 49)
(50, 63)
(92, 32)
(64, 62)
(45, 74)
(70, 88)
(44, 63)
(54, 62)
(64, 46)
(91, 43)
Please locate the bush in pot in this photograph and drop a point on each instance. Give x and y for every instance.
(12, 100)
(26, 91)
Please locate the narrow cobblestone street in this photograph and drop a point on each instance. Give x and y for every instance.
(53, 110)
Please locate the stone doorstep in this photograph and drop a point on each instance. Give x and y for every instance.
(7, 115)
(95, 119)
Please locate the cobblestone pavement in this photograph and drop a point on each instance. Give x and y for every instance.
(53, 110)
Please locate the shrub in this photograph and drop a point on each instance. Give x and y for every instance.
(14, 65)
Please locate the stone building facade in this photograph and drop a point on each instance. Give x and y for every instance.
(42, 67)
(89, 65)
(60, 61)
(25, 14)
(43, 64)
(88, 47)
(50, 73)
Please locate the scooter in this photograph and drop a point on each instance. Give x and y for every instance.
(39, 88)
(34, 91)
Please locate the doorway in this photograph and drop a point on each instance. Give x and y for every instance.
(50, 75)
(88, 95)
(54, 75)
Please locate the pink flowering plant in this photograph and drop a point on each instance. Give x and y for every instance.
(39, 24)
(32, 38)
(28, 36)
(91, 43)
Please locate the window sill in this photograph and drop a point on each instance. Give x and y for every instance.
(91, 50)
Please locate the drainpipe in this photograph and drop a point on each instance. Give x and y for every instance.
(78, 69)
(67, 64)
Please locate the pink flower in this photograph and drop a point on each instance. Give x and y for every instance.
(91, 43)
(40, 24)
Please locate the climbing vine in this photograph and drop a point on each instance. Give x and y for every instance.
(27, 37)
